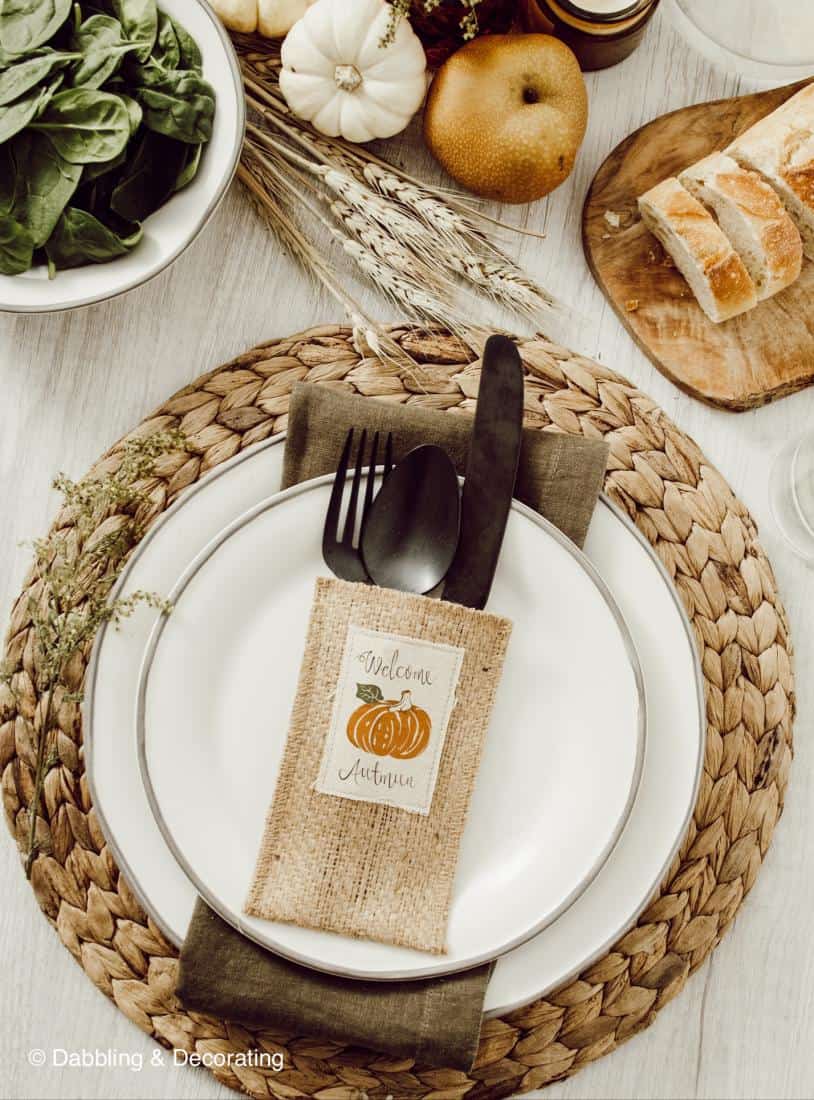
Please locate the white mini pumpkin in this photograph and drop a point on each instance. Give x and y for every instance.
(338, 76)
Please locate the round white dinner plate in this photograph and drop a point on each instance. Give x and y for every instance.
(556, 782)
(670, 777)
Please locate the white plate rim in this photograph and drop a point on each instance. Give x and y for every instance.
(436, 968)
(207, 213)
(141, 895)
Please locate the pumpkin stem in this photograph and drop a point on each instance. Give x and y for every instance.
(404, 703)
(347, 78)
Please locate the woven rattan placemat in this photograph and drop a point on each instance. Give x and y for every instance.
(708, 543)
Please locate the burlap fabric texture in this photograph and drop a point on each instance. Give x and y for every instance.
(360, 868)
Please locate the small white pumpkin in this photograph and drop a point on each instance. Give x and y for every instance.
(337, 75)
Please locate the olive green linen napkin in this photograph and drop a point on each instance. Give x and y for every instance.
(221, 972)
(436, 1021)
(559, 476)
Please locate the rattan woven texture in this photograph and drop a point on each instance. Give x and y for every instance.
(708, 543)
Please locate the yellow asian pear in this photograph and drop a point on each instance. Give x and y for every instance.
(506, 115)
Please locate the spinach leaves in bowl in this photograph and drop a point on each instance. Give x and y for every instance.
(104, 113)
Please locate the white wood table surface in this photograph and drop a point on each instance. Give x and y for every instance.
(71, 384)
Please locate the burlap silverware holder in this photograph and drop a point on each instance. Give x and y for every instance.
(384, 744)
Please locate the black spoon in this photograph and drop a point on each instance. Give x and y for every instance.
(411, 532)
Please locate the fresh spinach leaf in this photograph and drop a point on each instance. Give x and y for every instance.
(102, 46)
(191, 57)
(148, 178)
(26, 24)
(21, 76)
(94, 196)
(167, 50)
(79, 238)
(103, 117)
(8, 180)
(45, 184)
(190, 169)
(176, 103)
(134, 112)
(16, 246)
(16, 116)
(86, 126)
(92, 172)
(139, 18)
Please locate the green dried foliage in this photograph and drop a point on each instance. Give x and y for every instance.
(75, 568)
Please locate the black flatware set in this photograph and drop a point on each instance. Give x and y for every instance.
(409, 525)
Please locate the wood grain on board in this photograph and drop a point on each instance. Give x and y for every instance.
(740, 364)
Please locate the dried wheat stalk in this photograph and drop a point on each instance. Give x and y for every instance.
(356, 158)
(253, 174)
(382, 259)
(426, 251)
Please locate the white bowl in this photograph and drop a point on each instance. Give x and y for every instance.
(167, 232)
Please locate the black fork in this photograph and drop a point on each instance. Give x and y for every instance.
(341, 551)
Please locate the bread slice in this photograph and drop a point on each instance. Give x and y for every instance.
(753, 218)
(715, 272)
(781, 148)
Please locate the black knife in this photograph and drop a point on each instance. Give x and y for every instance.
(491, 470)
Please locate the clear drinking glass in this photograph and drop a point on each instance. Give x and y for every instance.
(765, 39)
(791, 495)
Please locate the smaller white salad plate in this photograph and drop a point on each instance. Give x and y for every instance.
(171, 229)
(661, 812)
(558, 775)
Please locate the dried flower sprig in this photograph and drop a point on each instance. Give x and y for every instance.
(401, 8)
(75, 568)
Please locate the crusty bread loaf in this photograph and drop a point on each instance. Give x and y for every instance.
(781, 148)
(753, 218)
(700, 250)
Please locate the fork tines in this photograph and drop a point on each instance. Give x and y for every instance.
(341, 553)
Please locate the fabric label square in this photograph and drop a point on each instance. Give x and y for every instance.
(391, 709)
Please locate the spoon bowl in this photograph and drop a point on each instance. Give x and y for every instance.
(411, 533)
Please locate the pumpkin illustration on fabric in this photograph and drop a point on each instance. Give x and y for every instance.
(388, 727)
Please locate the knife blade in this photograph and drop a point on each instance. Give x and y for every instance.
(491, 470)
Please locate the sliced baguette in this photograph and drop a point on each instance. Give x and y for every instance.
(715, 272)
(781, 148)
(753, 218)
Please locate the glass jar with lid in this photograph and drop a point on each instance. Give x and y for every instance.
(600, 32)
(767, 40)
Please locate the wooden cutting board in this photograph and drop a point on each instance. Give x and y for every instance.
(740, 364)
